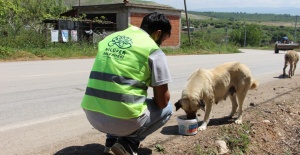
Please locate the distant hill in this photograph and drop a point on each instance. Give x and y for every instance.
(264, 10)
(242, 16)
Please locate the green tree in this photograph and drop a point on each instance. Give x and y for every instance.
(38, 10)
(15, 14)
(236, 37)
(11, 15)
(254, 35)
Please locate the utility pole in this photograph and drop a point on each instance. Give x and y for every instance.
(187, 22)
(295, 29)
(226, 36)
(78, 2)
(245, 36)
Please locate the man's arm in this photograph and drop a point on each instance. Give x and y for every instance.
(161, 95)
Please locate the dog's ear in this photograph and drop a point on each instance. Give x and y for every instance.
(178, 105)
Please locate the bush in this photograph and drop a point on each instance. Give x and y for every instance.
(6, 52)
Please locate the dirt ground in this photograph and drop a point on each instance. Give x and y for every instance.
(271, 126)
(271, 112)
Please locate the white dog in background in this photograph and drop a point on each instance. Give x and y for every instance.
(208, 86)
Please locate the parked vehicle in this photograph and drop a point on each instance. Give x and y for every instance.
(285, 44)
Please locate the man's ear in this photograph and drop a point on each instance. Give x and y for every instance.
(178, 105)
(156, 35)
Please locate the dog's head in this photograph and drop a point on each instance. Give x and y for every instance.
(190, 106)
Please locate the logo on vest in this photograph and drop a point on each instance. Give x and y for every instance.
(122, 42)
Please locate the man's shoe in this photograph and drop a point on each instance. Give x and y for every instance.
(106, 149)
(109, 143)
(124, 147)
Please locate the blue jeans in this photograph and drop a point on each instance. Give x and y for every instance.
(157, 118)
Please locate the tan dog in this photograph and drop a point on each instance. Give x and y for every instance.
(291, 57)
(206, 87)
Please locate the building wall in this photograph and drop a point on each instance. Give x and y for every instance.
(174, 40)
(134, 15)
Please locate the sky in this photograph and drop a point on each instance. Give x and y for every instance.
(194, 5)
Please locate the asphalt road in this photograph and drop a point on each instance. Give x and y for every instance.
(40, 100)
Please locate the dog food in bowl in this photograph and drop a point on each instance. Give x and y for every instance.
(187, 126)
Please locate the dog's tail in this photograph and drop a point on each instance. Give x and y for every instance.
(254, 84)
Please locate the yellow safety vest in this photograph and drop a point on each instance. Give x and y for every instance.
(120, 77)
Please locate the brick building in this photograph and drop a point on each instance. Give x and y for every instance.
(126, 13)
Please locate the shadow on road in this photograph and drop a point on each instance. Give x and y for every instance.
(89, 149)
(173, 130)
(97, 149)
(93, 149)
(286, 76)
(170, 130)
(220, 121)
(281, 76)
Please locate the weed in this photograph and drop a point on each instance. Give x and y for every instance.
(159, 148)
(288, 152)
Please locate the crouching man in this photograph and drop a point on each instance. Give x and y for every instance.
(115, 101)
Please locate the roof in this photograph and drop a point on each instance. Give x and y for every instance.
(81, 20)
(135, 5)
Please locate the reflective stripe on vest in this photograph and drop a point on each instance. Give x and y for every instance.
(115, 96)
(117, 79)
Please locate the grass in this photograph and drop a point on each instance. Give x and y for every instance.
(59, 51)
(209, 151)
(237, 137)
(88, 50)
(29, 45)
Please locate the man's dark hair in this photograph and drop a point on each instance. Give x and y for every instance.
(155, 21)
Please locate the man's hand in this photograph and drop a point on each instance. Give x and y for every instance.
(161, 95)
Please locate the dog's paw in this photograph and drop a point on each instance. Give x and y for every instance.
(202, 127)
(238, 121)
